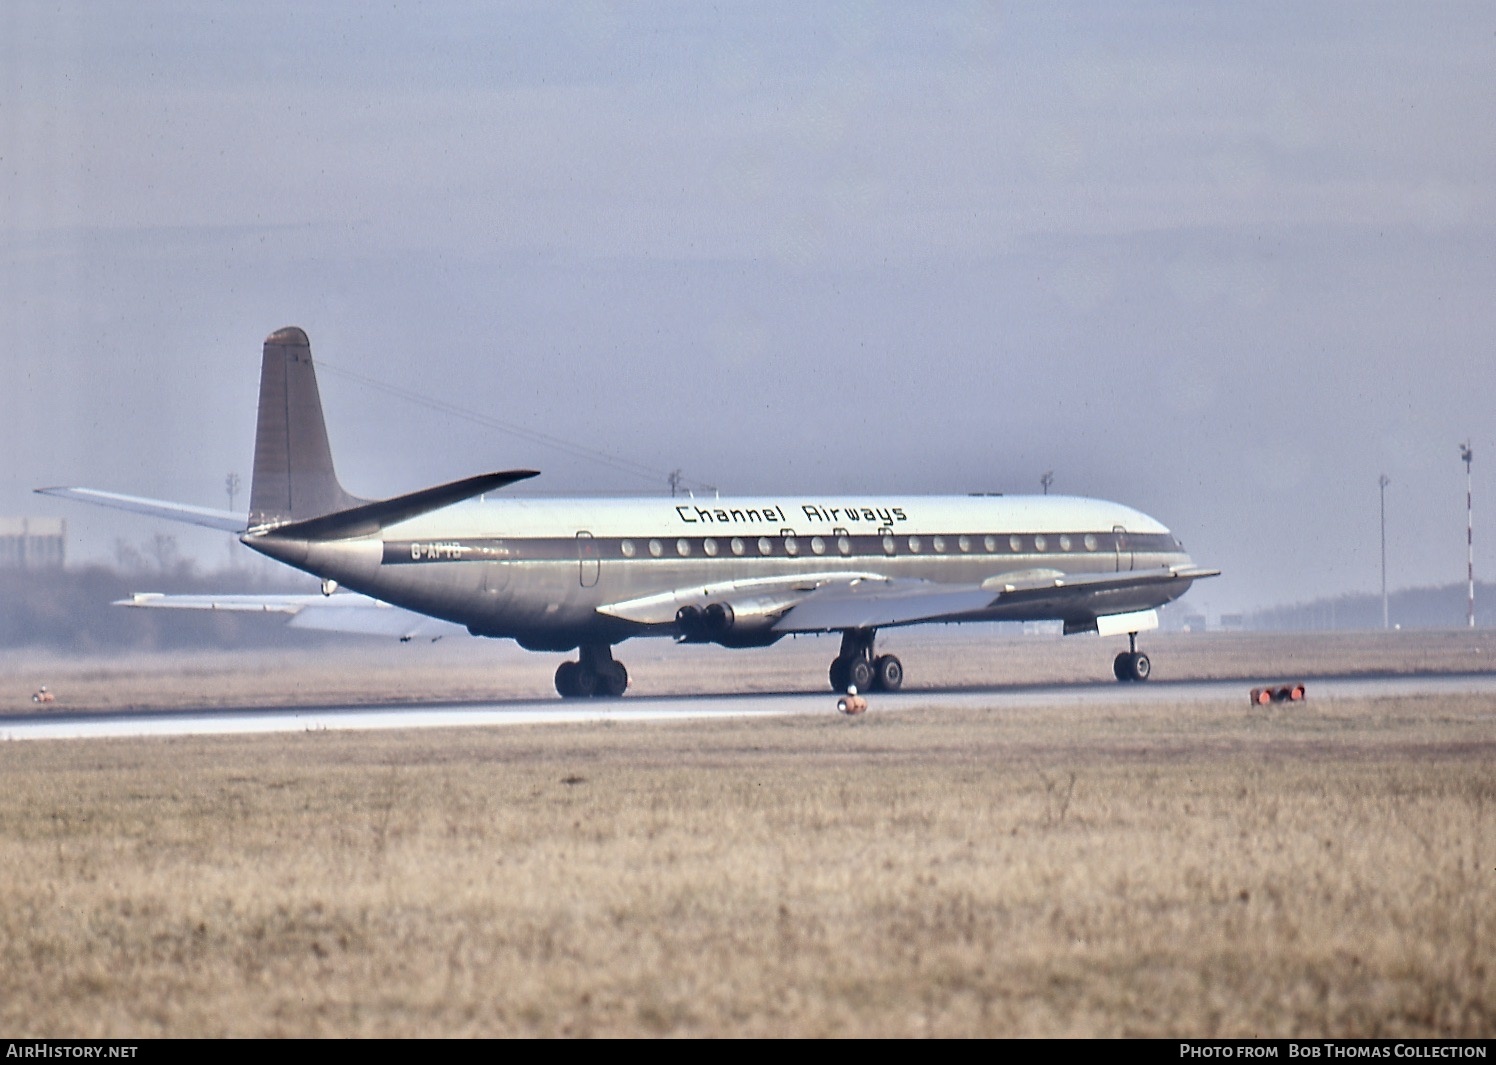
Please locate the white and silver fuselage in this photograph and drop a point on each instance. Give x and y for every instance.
(546, 571)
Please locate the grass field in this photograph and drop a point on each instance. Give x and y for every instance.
(1324, 869)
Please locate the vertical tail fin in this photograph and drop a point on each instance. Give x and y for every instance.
(293, 476)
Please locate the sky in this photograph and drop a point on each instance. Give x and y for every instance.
(1227, 263)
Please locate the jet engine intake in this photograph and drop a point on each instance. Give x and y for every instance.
(708, 624)
(748, 624)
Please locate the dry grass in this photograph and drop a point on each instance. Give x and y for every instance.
(1325, 870)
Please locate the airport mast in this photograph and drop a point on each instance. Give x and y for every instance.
(1465, 454)
(231, 485)
(1384, 482)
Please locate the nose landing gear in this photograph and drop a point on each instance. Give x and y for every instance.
(1132, 664)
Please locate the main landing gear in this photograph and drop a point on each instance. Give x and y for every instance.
(596, 674)
(858, 667)
(1132, 664)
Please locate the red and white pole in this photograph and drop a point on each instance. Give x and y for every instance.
(1465, 454)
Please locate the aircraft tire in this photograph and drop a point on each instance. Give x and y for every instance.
(587, 682)
(860, 674)
(614, 681)
(566, 680)
(839, 675)
(888, 673)
(1132, 665)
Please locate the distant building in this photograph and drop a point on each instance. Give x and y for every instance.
(33, 543)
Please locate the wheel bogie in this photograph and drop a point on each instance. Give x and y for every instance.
(592, 677)
(883, 673)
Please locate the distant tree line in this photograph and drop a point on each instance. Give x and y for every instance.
(1442, 607)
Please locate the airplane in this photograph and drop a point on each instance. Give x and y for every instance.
(560, 574)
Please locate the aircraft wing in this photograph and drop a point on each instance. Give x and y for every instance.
(767, 593)
(839, 600)
(226, 520)
(343, 612)
(866, 604)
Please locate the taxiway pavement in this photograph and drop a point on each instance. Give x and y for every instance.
(1228, 694)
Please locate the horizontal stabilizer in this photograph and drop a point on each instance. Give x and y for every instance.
(226, 520)
(345, 612)
(371, 517)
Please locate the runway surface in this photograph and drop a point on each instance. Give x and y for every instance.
(1226, 693)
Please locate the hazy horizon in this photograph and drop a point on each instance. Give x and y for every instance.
(1225, 264)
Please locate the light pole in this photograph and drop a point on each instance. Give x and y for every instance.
(231, 486)
(1046, 480)
(1384, 482)
(1465, 455)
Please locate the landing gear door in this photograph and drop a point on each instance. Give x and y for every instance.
(1123, 548)
(587, 559)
